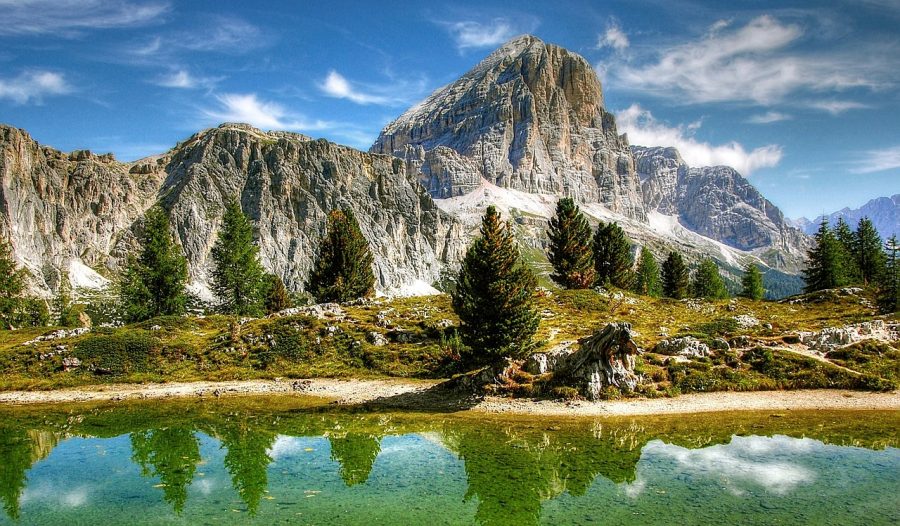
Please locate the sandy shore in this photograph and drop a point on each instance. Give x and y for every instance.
(404, 394)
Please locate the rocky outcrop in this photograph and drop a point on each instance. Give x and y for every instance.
(529, 117)
(714, 201)
(685, 346)
(831, 338)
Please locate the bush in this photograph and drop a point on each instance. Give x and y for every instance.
(123, 352)
(32, 312)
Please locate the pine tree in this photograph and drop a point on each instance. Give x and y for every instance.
(824, 269)
(889, 282)
(847, 253)
(708, 282)
(570, 247)
(868, 251)
(675, 279)
(343, 268)
(62, 304)
(154, 281)
(494, 296)
(237, 278)
(612, 256)
(752, 283)
(646, 280)
(277, 297)
(12, 285)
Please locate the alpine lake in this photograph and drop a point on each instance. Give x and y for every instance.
(292, 460)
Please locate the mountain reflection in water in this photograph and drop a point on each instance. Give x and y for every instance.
(263, 459)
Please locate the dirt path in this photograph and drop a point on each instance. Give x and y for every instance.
(405, 394)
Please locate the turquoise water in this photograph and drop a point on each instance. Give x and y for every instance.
(288, 461)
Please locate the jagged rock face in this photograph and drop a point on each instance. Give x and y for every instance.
(61, 210)
(714, 201)
(529, 117)
(287, 184)
(64, 211)
(883, 211)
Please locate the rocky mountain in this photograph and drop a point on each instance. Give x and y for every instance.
(883, 211)
(714, 201)
(72, 212)
(529, 117)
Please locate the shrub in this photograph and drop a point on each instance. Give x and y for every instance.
(123, 352)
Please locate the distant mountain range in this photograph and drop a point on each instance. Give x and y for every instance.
(523, 128)
(883, 211)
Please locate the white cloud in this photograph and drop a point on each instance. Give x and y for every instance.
(247, 108)
(836, 107)
(754, 63)
(644, 130)
(335, 85)
(878, 160)
(70, 18)
(613, 38)
(183, 79)
(769, 117)
(470, 34)
(33, 86)
(216, 35)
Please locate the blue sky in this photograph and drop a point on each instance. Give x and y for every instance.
(803, 98)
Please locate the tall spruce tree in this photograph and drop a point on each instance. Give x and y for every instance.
(612, 256)
(847, 253)
(868, 251)
(12, 286)
(494, 295)
(343, 268)
(752, 283)
(646, 280)
(277, 297)
(708, 283)
(675, 279)
(825, 261)
(570, 247)
(238, 276)
(889, 281)
(154, 280)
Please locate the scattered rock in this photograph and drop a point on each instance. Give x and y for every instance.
(321, 311)
(59, 334)
(746, 321)
(545, 362)
(376, 338)
(70, 363)
(831, 338)
(686, 346)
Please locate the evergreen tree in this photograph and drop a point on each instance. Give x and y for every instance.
(675, 279)
(494, 295)
(868, 252)
(277, 297)
(708, 282)
(12, 285)
(824, 269)
(752, 283)
(847, 243)
(889, 282)
(343, 268)
(646, 280)
(237, 279)
(62, 304)
(154, 281)
(570, 247)
(612, 256)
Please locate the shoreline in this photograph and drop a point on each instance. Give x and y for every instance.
(402, 394)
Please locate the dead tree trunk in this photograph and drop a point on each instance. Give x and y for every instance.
(604, 359)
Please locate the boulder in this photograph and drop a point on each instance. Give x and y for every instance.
(686, 346)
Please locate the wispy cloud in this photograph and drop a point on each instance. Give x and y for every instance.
(643, 129)
(769, 117)
(614, 37)
(70, 18)
(32, 86)
(393, 94)
(248, 108)
(469, 34)
(878, 160)
(758, 63)
(219, 34)
(183, 79)
(836, 107)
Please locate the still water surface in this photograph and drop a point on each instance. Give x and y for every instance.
(288, 461)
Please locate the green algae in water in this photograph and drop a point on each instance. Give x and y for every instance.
(266, 460)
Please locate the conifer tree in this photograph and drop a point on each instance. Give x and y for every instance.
(826, 260)
(237, 278)
(752, 283)
(154, 280)
(277, 297)
(868, 251)
(675, 278)
(708, 282)
(343, 268)
(847, 242)
(12, 285)
(62, 304)
(889, 282)
(494, 295)
(646, 280)
(570, 247)
(612, 256)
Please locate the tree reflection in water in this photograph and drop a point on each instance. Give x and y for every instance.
(172, 454)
